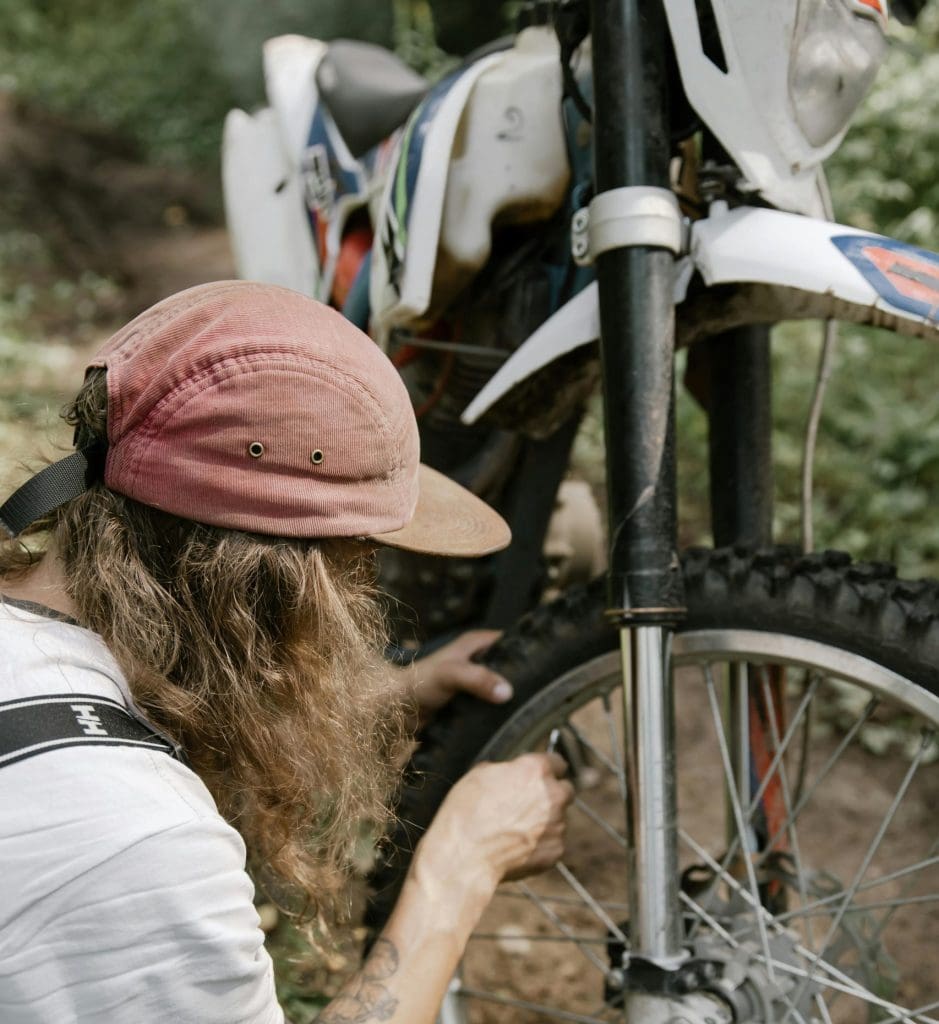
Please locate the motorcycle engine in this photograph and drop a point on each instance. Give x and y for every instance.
(516, 292)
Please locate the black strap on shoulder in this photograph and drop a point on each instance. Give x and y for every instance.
(51, 487)
(35, 725)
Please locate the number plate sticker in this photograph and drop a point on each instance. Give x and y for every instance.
(905, 276)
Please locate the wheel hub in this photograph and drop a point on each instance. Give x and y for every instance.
(727, 962)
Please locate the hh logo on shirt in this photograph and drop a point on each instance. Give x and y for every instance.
(88, 720)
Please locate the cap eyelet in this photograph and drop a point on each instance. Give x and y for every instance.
(316, 456)
(255, 449)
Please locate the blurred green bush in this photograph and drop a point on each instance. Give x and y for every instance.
(163, 73)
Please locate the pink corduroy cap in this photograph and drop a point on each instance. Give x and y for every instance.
(255, 408)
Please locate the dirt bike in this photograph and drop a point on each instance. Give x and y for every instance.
(737, 852)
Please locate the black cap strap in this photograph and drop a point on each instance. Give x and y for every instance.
(52, 487)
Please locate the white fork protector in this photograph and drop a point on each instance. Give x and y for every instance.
(773, 266)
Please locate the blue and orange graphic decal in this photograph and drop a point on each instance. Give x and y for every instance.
(326, 179)
(905, 276)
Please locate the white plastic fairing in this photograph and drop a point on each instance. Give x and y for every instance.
(748, 106)
(290, 64)
(511, 160)
(403, 301)
(785, 266)
(264, 205)
(284, 166)
(492, 149)
(576, 323)
(769, 247)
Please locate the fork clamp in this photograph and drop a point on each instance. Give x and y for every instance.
(654, 995)
(628, 216)
(638, 975)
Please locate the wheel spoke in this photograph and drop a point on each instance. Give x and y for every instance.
(727, 937)
(836, 979)
(807, 795)
(600, 821)
(837, 982)
(566, 932)
(903, 900)
(874, 883)
(917, 1014)
(870, 853)
(864, 908)
(550, 1012)
(801, 711)
(614, 928)
(793, 834)
(822, 1008)
(783, 746)
(597, 753)
(599, 940)
(738, 813)
(567, 901)
(616, 748)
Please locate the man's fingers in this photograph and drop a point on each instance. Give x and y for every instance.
(474, 642)
(568, 792)
(559, 767)
(481, 682)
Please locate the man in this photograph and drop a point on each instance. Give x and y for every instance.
(193, 663)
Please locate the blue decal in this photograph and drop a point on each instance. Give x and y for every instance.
(903, 275)
(415, 135)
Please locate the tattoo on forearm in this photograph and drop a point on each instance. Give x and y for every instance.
(366, 998)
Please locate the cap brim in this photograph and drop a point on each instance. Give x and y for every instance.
(449, 521)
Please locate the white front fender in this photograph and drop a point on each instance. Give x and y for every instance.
(758, 266)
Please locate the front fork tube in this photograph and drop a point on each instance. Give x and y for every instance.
(739, 406)
(737, 728)
(655, 925)
(632, 148)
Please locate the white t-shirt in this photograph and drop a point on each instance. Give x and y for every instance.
(124, 894)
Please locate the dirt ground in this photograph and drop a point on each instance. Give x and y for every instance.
(161, 240)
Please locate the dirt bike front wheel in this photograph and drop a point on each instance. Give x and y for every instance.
(814, 896)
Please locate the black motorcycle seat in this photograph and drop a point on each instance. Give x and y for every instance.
(368, 91)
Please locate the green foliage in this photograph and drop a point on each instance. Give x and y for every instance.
(163, 73)
(415, 40)
(877, 465)
(877, 458)
(135, 68)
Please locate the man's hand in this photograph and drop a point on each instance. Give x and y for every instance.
(500, 821)
(506, 820)
(450, 669)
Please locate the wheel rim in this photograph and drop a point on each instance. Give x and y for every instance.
(847, 899)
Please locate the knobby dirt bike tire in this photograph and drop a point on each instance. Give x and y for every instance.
(824, 597)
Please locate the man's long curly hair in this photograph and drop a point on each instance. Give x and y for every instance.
(262, 657)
